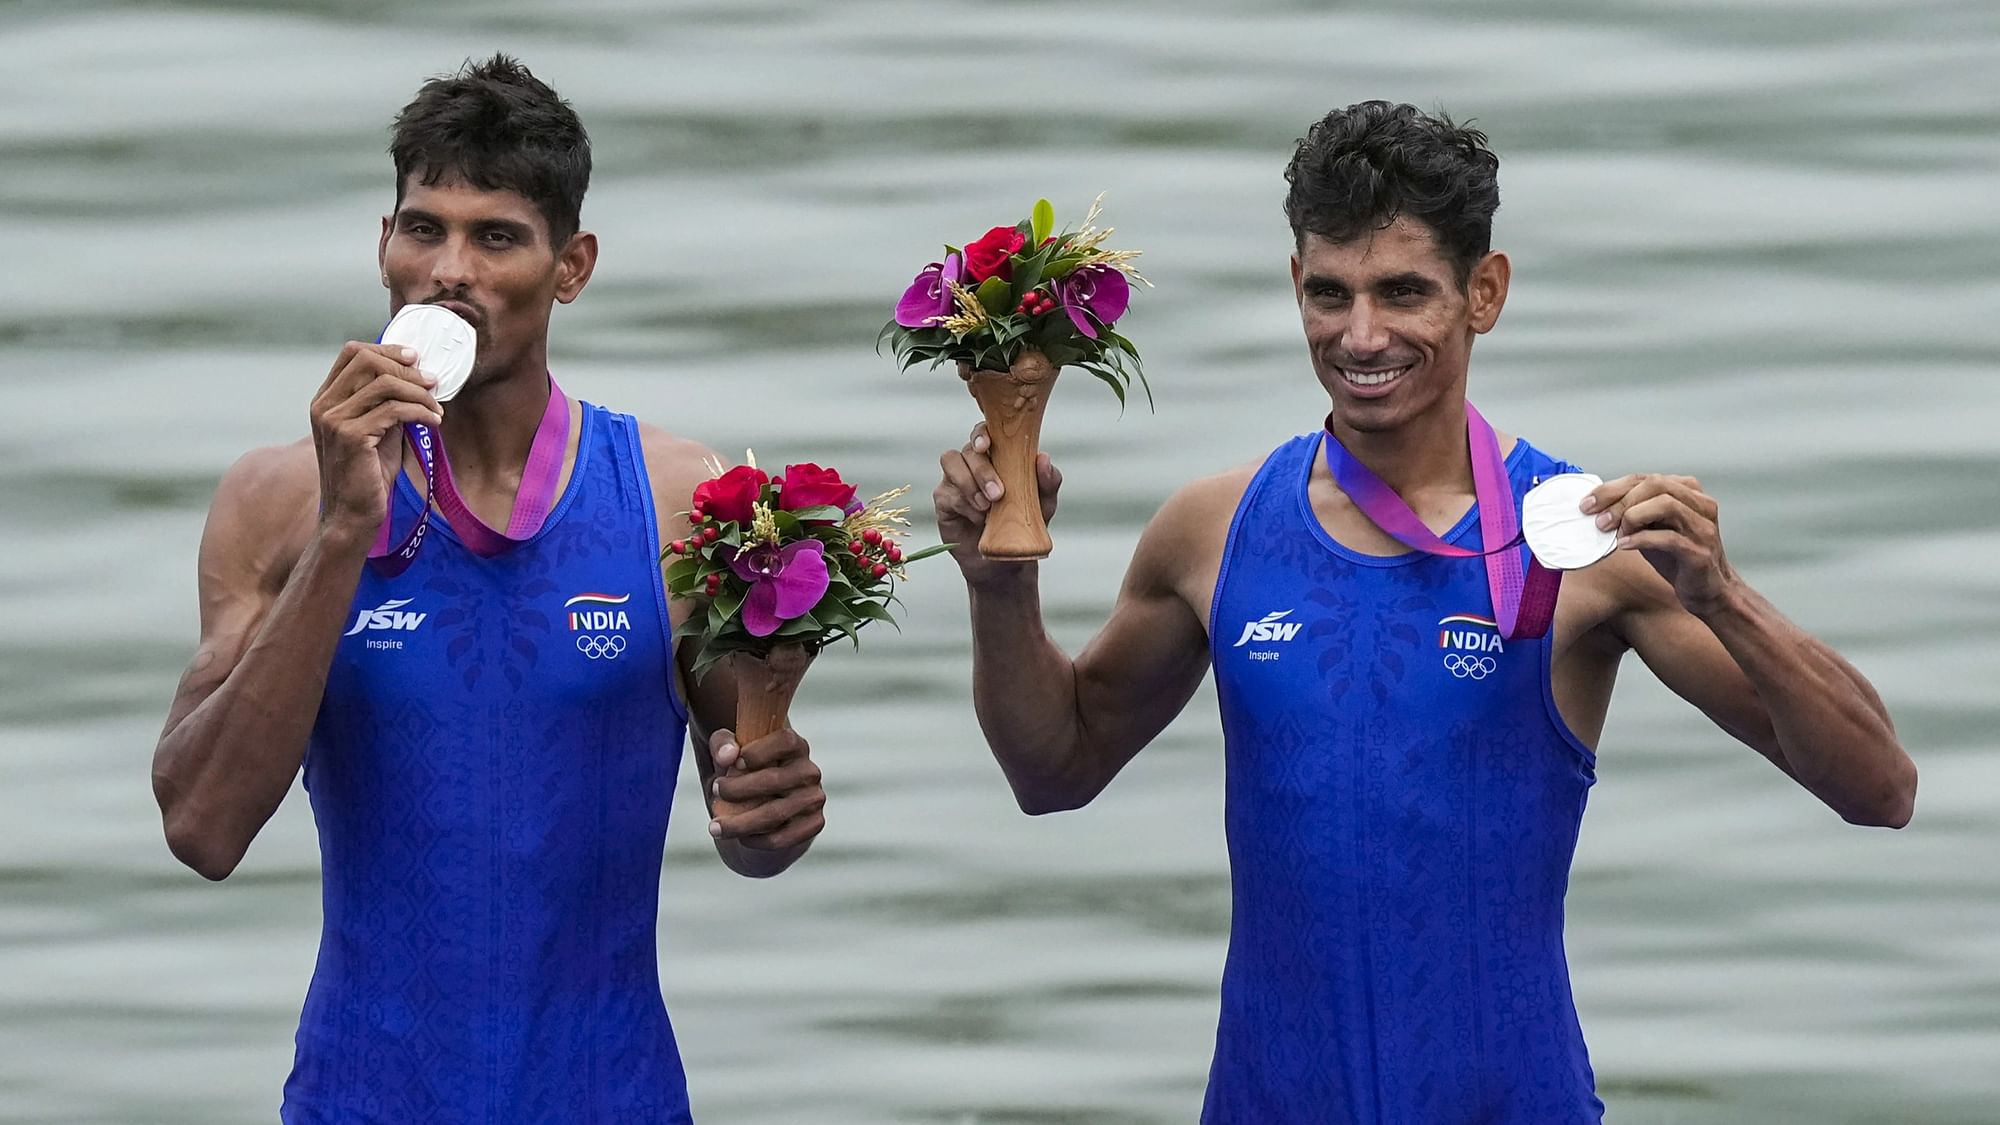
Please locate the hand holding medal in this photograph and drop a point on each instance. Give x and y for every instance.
(445, 346)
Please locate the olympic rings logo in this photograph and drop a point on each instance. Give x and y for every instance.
(1470, 667)
(600, 647)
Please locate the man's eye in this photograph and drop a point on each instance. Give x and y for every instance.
(498, 238)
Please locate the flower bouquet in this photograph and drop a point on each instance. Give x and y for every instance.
(786, 564)
(1013, 308)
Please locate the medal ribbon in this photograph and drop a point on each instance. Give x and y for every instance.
(531, 501)
(1522, 605)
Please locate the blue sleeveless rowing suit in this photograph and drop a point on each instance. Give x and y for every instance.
(491, 772)
(1403, 803)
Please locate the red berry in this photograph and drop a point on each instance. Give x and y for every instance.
(856, 546)
(872, 535)
(710, 534)
(680, 547)
(878, 570)
(895, 553)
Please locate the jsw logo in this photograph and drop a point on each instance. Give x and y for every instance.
(1269, 629)
(388, 615)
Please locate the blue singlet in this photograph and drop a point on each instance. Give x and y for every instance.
(491, 773)
(1403, 803)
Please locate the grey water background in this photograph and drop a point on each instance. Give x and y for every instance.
(1756, 242)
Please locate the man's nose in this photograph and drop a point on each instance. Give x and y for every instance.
(452, 265)
(1366, 333)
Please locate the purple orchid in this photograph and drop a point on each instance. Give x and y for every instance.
(1094, 295)
(928, 299)
(785, 582)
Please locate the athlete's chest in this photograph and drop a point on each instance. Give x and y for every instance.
(1298, 629)
(578, 622)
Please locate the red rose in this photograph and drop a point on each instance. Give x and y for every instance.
(729, 496)
(988, 256)
(809, 486)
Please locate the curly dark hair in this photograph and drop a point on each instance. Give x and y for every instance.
(498, 127)
(1358, 169)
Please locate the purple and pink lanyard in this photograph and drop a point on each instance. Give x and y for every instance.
(531, 501)
(1523, 605)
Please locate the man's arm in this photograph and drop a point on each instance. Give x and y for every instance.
(1061, 729)
(1723, 647)
(775, 776)
(272, 612)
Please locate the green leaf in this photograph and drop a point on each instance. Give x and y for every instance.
(818, 512)
(873, 611)
(1044, 220)
(708, 659)
(682, 572)
(1027, 275)
(993, 293)
(1110, 378)
(799, 626)
(927, 552)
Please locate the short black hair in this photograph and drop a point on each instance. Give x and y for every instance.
(498, 127)
(1357, 169)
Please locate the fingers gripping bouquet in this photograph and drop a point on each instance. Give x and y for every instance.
(1013, 308)
(785, 565)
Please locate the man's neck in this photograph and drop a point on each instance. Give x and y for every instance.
(1426, 455)
(491, 425)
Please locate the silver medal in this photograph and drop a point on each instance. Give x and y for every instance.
(1558, 532)
(444, 343)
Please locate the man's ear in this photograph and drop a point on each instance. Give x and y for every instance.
(1487, 289)
(382, 249)
(574, 265)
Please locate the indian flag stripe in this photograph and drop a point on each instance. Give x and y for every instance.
(1468, 619)
(598, 599)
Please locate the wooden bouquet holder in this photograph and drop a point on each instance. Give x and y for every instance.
(1013, 401)
(764, 690)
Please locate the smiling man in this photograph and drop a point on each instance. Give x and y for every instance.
(489, 730)
(1408, 749)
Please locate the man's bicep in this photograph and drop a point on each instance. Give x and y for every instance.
(1147, 661)
(237, 580)
(1138, 673)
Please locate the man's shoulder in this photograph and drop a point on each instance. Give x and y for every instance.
(1198, 506)
(271, 479)
(666, 450)
(264, 511)
(1187, 535)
